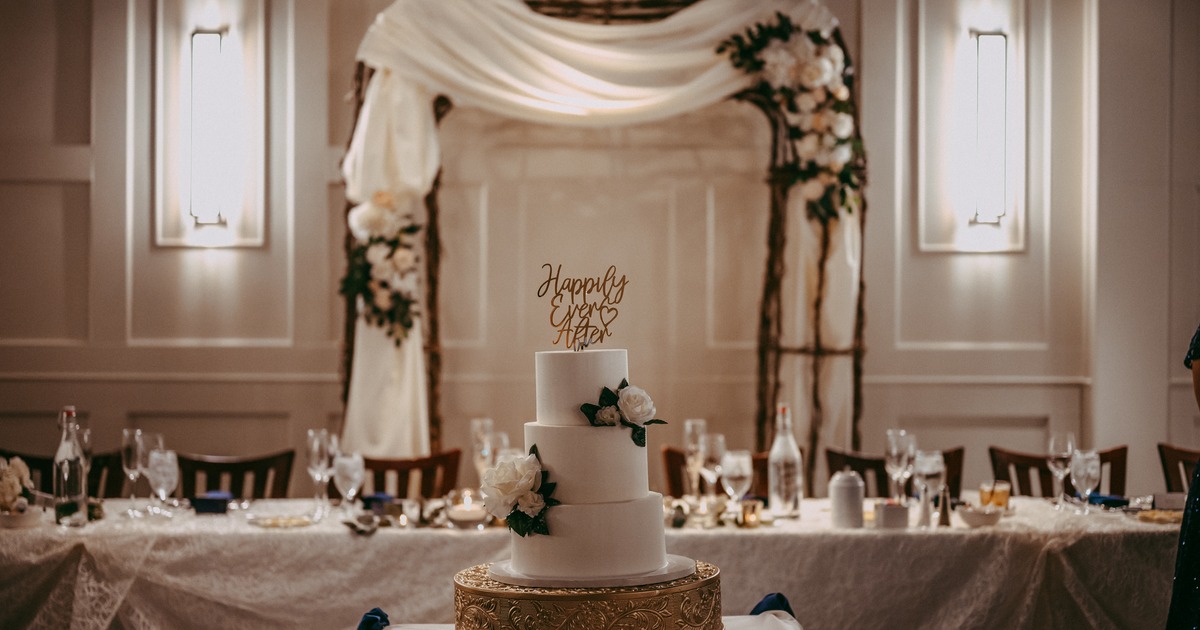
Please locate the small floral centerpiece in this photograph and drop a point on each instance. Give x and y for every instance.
(16, 486)
(518, 490)
(382, 271)
(801, 68)
(629, 406)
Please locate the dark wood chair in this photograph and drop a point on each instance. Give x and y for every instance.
(1018, 468)
(270, 473)
(675, 470)
(106, 478)
(1178, 464)
(41, 469)
(864, 465)
(438, 474)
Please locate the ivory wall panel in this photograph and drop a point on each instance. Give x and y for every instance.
(46, 47)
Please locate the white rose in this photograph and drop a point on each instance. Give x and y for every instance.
(383, 298)
(531, 503)
(841, 93)
(778, 64)
(801, 47)
(816, 73)
(837, 57)
(808, 146)
(505, 483)
(843, 125)
(841, 155)
(608, 416)
(378, 253)
(636, 405)
(806, 102)
(404, 260)
(367, 220)
(383, 198)
(812, 190)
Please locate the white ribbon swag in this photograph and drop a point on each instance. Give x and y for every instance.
(501, 56)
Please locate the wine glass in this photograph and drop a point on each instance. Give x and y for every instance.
(481, 444)
(898, 459)
(131, 447)
(1059, 448)
(348, 473)
(319, 453)
(1085, 475)
(162, 471)
(929, 473)
(712, 449)
(693, 430)
(737, 471)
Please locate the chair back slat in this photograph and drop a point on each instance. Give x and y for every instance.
(1021, 468)
(1178, 465)
(438, 473)
(675, 471)
(876, 466)
(270, 474)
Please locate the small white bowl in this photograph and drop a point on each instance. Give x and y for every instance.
(975, 516)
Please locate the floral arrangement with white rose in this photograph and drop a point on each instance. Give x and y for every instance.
(802, 69)
(16, 486)
(629, 406)
(382, 270)
(518, 490)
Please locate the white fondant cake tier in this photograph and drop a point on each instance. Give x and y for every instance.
(590, 464)
(605, 540)
(566, 380)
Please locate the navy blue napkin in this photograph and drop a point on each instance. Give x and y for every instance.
(774, 601)
(377, 502)
(374, 620)
(212, 502)
(1108, 500)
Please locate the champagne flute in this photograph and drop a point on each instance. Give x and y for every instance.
(898, 459)
(318, 452)
(482, 450)
(348, 473)
(693, 430)
(1059, 448)
(737, 472)
(712, 449)
(131, 447)
(1085, 475)
(162, 471)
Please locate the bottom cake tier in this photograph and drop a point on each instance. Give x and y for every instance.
(687, 603)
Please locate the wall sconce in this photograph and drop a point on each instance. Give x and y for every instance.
(971, 126)
(210, 123)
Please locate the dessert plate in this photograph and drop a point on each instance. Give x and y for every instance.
(676, 567)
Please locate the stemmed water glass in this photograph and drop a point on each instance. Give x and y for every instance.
(898, 459)
(162, 471)
(929, 473)
(712, 449)
(737, 472)
(319, 454)
(1085, 475)
(1059, 448)
(693, 430)
(131, 454)
(348, 473)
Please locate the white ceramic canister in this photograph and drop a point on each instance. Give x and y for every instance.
(846, 490)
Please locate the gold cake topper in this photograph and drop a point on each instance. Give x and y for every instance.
(582, 309)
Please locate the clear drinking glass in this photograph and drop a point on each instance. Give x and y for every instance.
(162, 471)
(482, 450)
(712, 449)
(131, 454)
(929, 473)
(348, 473)
(1059, 448)
(693, 430)
(319, 456)
(737, 473)
(898, 459)
(1085, 475)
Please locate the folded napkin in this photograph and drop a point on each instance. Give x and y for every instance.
(374, 620)
(774, 601)
(1108, 500)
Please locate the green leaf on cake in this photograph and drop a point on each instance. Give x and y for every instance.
(547, 488)
(533, 451)
(623, 385)
(519, 522)
(608, 398)
(655, 421)
(539, 526)
(590, 410)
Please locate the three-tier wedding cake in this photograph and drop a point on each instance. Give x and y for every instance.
(586, 527)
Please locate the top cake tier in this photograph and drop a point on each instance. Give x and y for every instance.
(566, 380)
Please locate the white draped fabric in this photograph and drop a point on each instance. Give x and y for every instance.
(501, 56)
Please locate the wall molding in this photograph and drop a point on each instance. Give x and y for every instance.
(175, 377)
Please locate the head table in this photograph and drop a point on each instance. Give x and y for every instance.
(1037, 568)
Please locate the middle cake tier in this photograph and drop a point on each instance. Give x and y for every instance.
(590, 464)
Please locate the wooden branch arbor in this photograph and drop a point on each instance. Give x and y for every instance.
(840, 200)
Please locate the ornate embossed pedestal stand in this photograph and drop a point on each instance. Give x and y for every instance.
(688, 603)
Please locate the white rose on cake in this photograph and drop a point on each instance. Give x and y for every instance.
(531, 503)
(608, 416)
(636, 405)
(505, 484)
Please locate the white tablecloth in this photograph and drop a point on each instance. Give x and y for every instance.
(1037, 568)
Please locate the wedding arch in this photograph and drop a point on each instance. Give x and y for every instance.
(664, 58)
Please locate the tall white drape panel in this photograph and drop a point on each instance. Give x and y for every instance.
(501, 56)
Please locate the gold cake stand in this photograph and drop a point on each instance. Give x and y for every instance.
(688, 603)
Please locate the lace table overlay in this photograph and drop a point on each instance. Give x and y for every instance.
(692, 602)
